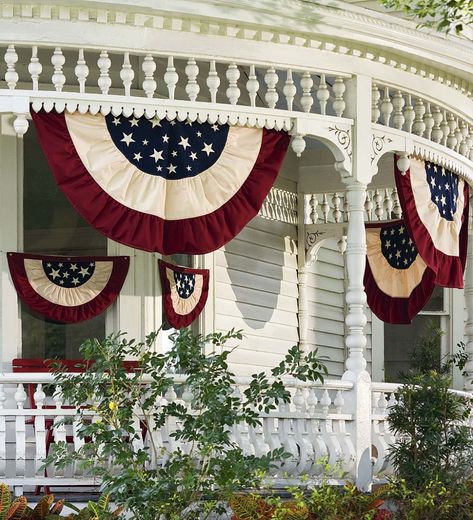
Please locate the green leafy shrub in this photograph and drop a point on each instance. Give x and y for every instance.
(433, 441)
(188, 482)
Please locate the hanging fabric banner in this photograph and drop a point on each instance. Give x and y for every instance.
(397, 281)
(434, 203)
(185, 292)
(159, 185)
(67, 289)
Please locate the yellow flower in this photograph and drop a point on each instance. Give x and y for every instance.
(112, 405)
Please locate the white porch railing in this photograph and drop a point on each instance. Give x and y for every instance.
(173, 78)
(314, 427)
(332, 208)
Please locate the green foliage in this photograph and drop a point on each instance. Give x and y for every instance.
(328, 502)
(426, 355)
(442, 15)
(46, 509)
(210, 465)
(433, 442)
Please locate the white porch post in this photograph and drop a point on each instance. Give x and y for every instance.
(468, 291)
(359, 400)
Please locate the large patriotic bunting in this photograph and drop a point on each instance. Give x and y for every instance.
(159, 185)
(434, 202)
(397, 281)
(67, 289)
(185, 292)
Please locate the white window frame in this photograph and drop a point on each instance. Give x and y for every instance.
(451, 321)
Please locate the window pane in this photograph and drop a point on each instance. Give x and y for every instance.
(436, 300)
(399, 342)
(52, 226)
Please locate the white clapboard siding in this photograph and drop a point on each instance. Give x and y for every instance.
(256, 291)
(327, 309)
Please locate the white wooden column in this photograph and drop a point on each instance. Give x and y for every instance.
(11, 155)
(359, 400)
(468, 291)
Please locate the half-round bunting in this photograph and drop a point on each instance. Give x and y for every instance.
(397, 281)
(185, 292)
(67, 289)
(159, 185)
(435, 205)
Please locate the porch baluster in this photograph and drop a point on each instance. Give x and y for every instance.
(306, 84)
(127, 74)
(388, 203)
(338, 89)
(271, 79)
(58, 78)
(213, 82)
(323, 94)
(418, 128)
(11, 76)
(289, 89)
(171, 77)
(20, 432)
(39, 429)
(445, 128)
(233, 75)
(428, 122)
(437, 133)
(3, 433)
(149, 83)
(81, 71)
(375, 97)
(192, 87)
(252, 86)
(105, 81)
(35, 68)
(409, 114)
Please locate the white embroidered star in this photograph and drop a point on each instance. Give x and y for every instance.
(171, 168)
(432, 182)
(401, 230)
(65, 275)
(199, 134)
(61, 282)
(92, 264)
(215, 128)
(74, 267)
(155, 122)
(178, 284)
(443, 200)
(174, 153)
(159, 168)
(184, 142)
(145, 142)
(398, 254)
(60, 264)
(188, 168)
(165, 138)
(447, 186)
(193, 156)
(75, 281)
(48, 265)
(157, 156)
(127, 138)
(388, 243)
(435, 167)
(134, 122)
(116, 121)
(137, 156)
(84, 271)
(207, 149)
(172, 123)
(55, 273)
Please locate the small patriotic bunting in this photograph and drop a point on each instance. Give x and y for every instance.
(397, 281)
(67, 289)
(185, 293)
(434, 203)
(159, 185)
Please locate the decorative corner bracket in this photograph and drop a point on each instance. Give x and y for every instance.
(316, 234)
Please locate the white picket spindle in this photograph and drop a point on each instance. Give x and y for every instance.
(271, 79)
(35, 68)
(149, 84)
(213, 82)
(233, 75)
(171, 77)
(306, 84)
(127, 74)
(58, 78)
(289, 90)
(11, 76)
(81, 71)
(323, 94)
(192, 87)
